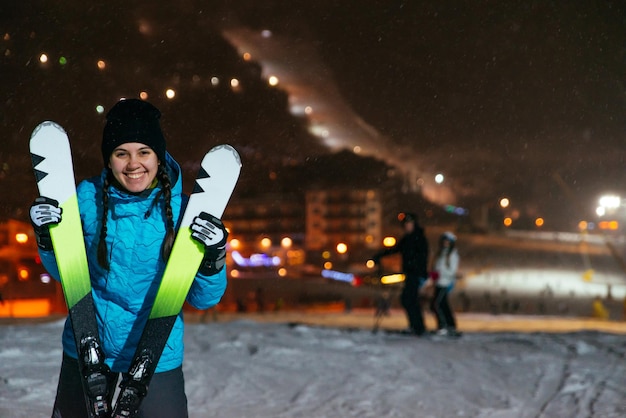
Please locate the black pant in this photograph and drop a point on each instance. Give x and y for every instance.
(165, 399)
(440, 306)
(411, 304)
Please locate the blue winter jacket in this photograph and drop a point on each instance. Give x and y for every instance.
(124, 294)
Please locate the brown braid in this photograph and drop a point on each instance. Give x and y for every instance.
(102, 246)
(166, 185)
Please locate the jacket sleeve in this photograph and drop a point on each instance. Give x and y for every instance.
(207, 291)
(49, 262)
(391, 250)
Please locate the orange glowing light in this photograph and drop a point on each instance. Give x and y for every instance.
(21, 238)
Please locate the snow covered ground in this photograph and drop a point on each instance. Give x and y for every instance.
(275, 366)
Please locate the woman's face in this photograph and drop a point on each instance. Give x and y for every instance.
(134, 166)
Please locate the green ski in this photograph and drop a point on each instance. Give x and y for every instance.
(52, 163)
(216, 180)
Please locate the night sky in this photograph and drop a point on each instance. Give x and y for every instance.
(503, 97)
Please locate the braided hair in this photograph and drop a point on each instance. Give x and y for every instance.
(166, 191)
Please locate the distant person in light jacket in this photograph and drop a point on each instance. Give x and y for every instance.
(444, 272)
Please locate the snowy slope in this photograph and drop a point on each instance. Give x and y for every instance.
(245, 368)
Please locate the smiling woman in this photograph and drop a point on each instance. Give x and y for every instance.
(134, 166)
(129, 214)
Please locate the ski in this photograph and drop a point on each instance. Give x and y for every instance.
(52, 164)
(216, 180)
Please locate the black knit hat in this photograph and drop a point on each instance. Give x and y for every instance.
(133, 120)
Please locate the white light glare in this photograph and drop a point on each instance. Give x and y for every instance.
(610, 201)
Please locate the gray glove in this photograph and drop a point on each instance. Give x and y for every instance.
(43, 213)
(210, 231)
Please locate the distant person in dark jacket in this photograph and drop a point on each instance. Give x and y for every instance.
(413, 247)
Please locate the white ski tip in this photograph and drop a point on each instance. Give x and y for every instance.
(47, 125)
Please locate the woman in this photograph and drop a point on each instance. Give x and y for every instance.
(130, 214)
(445, 269)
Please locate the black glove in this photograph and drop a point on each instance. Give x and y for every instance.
(211, 232)
(43, 213)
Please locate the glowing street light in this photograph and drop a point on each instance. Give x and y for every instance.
(504, 202)
(21, 238)
(235, 244)
(389, 241)
(439, 178)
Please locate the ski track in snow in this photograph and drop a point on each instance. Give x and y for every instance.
(249, 369)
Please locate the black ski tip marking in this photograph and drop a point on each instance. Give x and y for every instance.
(197, 188)
(203, 174)
(36, 159)
(39, 175)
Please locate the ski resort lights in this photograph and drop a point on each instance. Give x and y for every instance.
(255, 260)
(338, 276)
(392, 278)
(389, 241)
(608, 205)
(21, 238)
